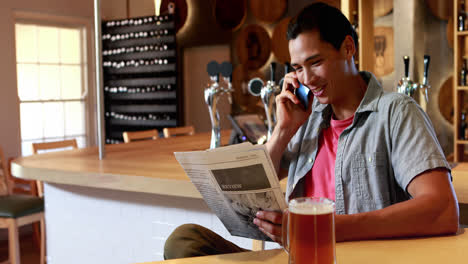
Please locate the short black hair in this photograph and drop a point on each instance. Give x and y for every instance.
(331, 24)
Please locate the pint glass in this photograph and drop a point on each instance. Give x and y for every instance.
(309, 231)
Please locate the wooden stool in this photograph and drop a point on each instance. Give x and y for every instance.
(140, 135)
(55, 145)
(178, 131)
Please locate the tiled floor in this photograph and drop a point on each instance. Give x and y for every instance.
(29, 251)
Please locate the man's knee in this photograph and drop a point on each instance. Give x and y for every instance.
(191, 240)
(183, 242)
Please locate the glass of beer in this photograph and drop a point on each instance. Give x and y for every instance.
(309, 231)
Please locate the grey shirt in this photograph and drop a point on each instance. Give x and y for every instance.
(390, 141)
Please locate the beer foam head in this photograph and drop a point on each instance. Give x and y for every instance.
(311, 206)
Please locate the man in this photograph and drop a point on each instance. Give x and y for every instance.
(374, 153)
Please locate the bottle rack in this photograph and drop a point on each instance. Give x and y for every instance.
(363, 11)
(139, 70)
(460, 89)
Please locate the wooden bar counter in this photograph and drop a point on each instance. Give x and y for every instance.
(123, 208)
(142, 166)
(428, 250)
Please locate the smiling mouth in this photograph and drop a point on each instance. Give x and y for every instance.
(318, 91)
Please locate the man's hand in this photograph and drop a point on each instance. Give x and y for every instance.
(290, 115)
(270, 223)
(289, 111)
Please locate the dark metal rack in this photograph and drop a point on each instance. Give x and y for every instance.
(140, 75)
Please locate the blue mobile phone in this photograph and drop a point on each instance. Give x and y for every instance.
(302, 93)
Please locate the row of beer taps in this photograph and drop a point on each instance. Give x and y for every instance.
(256, 87)
(408, 86)
(268, 92)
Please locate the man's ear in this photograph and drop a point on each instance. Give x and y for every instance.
(348, 47)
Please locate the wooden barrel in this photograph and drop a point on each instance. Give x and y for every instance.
(334, 3)
(279, 43)
(180, 11)
(383, 51)
(268, 11)
(446, 100)
(382, 7)
(240, 79)
(230, 14)
(253, 46)
(442, 9)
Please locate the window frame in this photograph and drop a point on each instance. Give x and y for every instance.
(25, 17)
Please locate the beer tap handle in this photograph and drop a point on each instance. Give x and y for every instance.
(226, 71)
(427, 60)
(213, 70)
(272, 71)
(406, 61)
(287, 68)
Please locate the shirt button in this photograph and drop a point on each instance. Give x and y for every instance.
(311, 160)
(370, 159)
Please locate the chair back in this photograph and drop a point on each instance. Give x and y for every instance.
(55, 145)
(4, 187)
(140, 135)
(18, 185)
(178, 131)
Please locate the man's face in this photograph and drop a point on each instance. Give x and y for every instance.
(320, 66)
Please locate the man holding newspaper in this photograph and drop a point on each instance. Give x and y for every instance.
(374, 153)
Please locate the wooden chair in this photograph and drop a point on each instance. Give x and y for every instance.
(55, 145)
(20, 186)
(178, 131)
(140, 135)
(17, 210)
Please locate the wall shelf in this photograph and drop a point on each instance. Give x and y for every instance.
(458, 91)
(142, 96)
(365, 16)
(145, 123)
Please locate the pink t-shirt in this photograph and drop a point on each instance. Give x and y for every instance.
(320, 181)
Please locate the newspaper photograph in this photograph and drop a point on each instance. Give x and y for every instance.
(236, 182)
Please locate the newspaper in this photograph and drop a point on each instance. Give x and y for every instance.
(235, 181)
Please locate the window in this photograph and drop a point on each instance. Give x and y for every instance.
(52, 86)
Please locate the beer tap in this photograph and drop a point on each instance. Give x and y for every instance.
(425, 85)
(287, 69)
(226, 72)
(212, 94)
(406, 85)
(267, 93)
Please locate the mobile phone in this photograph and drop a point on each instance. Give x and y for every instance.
(302, 93)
